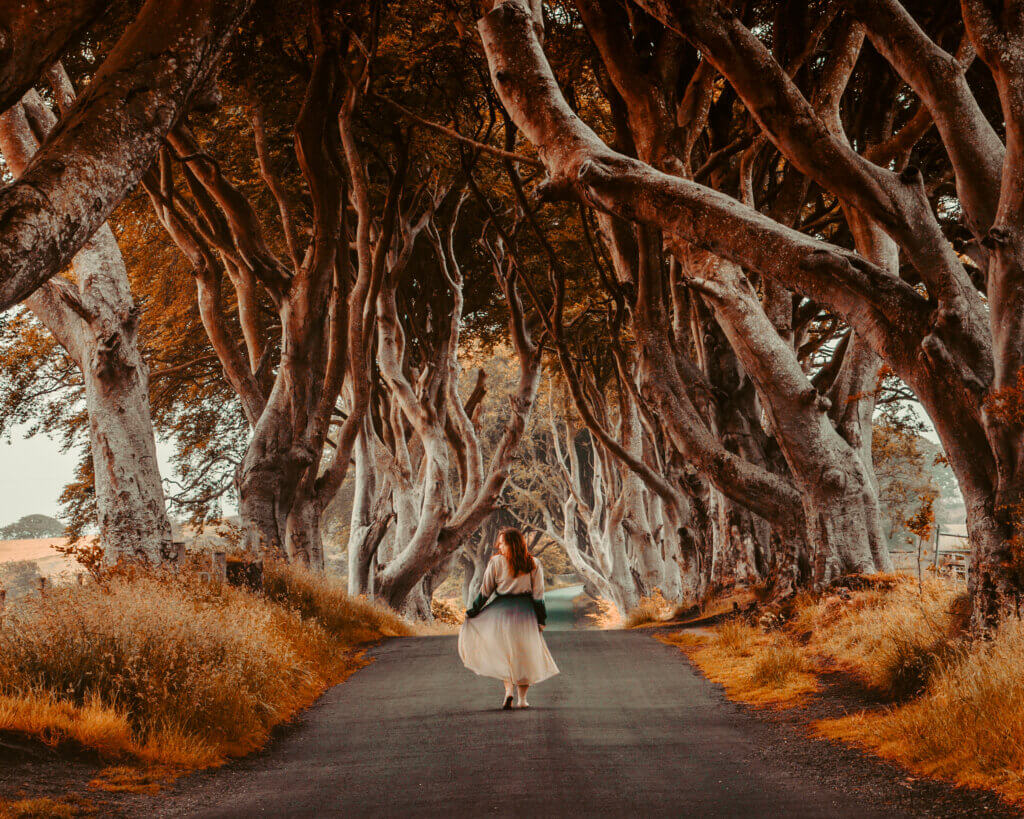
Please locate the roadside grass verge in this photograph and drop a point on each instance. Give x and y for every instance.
(966, 726)
(44, 806)
(170, 672)
(891, 636)
(953, 707)
(605, 615)
(654, 609)
(752, 666)
(320, 598)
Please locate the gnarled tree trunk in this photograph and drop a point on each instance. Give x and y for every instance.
(109, 138)
(96, 321)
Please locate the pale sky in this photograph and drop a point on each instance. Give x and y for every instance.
(33, 473)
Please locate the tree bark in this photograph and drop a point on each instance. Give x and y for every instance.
(96, 321)
(33, 36)
(105, 143)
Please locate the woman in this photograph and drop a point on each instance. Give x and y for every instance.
(503, 639)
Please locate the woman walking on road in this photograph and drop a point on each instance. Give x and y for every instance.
(502, 639)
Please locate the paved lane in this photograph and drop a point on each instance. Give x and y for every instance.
(627, 729)
(561, 607)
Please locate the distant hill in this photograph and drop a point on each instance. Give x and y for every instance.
(32, 527)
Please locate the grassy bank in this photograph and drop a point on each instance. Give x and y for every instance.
(177, 673)
(948, 706)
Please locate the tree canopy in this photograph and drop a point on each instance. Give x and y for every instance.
(715, 247)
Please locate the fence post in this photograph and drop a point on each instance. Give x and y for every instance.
(219, 565)
(41, 585)
(935, 557)
(3, 601)
(179, 555)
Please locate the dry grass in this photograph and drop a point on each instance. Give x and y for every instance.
(891, 637)
(653, 609)
(315, 596)
(175, 673)
(967, 726)
(753, 667)
(717, 603)
(134, 779)
(960, 704)
(43, 807)
(607, 614)
(449, 614)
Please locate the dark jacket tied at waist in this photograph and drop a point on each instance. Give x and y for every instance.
(539, 609)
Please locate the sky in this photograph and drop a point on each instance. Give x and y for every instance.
(33, 473)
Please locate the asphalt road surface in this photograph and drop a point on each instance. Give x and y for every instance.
(627, 729)
(561, 611)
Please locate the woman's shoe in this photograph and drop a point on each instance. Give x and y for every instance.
(508, 703)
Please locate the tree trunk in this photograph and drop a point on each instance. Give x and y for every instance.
(370, 521)
(96, 321)
(303, 542)
(129, 495)
(107, 141)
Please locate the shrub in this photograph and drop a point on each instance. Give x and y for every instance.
(651, 609)
(448, 611)
(605, 615)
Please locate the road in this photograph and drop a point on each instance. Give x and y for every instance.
(627, 729)
(561, 610)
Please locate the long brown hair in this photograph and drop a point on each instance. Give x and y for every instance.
(519, 556)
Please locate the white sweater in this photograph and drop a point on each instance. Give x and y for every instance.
(498, 578)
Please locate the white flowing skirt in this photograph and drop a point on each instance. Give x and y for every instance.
(504, 642)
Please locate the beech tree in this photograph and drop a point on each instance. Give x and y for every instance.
(930, 323)
(850, 536)
(94, 318)
(321, 300)
(423, 421)
(106, 142)
(720, 227)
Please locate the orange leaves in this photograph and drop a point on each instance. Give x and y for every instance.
(1006, 405)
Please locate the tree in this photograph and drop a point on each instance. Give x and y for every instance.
(321, 305)
(109, 137)
(427, 420)
(32, 527)
(928, 323)
(95, 320)
(36, 34)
